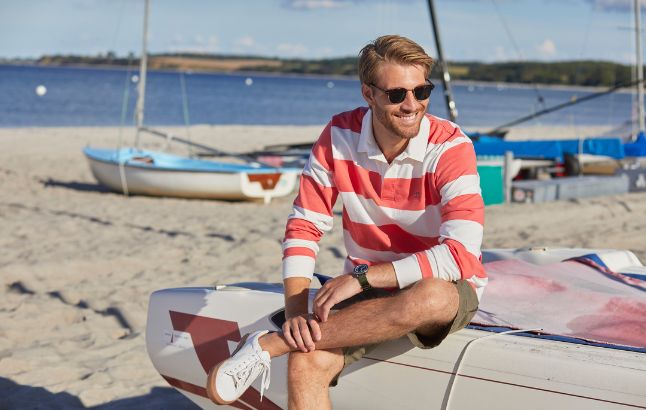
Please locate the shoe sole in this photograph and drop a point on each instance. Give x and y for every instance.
(211, 391)
(210, 386)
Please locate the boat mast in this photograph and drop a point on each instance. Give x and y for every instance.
(446, 78)
(639, 67)
(143, 66)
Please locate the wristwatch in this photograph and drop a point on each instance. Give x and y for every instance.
(359, 272)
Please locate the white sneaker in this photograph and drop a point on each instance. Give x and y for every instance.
(228, 380)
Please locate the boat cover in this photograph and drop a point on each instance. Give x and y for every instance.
(637, 148)
(520, 149)
(550, 149)
(610, 147)
(579, 299)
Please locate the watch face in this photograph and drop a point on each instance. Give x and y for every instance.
(363, 268)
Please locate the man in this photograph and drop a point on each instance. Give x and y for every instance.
(413, 221)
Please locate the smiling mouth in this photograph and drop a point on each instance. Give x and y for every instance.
(407, 118)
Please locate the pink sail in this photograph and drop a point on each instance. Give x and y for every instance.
(569, 299)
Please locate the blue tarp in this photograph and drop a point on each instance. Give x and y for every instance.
(610, 146)
(520, 149)
(637, 148)
(553, 149)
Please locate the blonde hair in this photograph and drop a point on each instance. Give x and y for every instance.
(393, 49)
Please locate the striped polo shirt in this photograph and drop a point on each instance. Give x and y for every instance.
(423, 212)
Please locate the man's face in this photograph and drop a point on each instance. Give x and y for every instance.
(396, 121)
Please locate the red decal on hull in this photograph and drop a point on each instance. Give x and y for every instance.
(211, 341)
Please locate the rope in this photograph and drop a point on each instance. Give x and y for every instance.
(187, 121)
(124, 102)
(122, 175)
(464, 354)
(124, 109)
(117, 28)
(539, 97)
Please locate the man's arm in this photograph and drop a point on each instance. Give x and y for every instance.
(342, 287)
(296, 296)
(300, 329)
(311, 217)
(457, 256)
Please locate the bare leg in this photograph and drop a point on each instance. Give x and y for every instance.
(309, 377)
(428, 305)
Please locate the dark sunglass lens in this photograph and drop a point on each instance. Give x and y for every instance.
(423, 92)
(396, 95)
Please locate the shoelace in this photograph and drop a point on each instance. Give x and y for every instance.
(243, 372)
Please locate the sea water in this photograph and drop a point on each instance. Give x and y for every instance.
(95, 97)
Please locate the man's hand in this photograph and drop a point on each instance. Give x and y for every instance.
(332, 292)
(301, 332)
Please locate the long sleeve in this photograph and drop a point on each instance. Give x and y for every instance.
(311, 214)
(457, 255)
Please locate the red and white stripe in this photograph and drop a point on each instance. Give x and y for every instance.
(423, 212)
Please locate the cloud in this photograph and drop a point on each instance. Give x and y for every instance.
(316, 4)
(500, 54)
(325, 51)
(245, 42)
(547, 48)
(198, 44)
(333, 4)
(292, 50)
(623, 6)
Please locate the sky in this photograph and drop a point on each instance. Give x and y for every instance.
(471, 30)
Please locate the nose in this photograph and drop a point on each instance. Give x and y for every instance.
(410, 102)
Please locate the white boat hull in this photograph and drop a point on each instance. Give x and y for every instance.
(191, 329)
(153, 181)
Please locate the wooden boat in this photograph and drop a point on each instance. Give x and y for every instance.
(142, 172)
(483, 366)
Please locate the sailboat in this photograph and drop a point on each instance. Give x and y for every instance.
(132, 170)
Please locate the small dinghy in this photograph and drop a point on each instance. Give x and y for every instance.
(135, 171)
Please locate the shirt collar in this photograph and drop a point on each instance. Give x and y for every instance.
(415, 150)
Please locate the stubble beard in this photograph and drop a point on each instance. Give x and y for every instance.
(391, 125)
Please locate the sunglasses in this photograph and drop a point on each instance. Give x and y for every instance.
(397, 95)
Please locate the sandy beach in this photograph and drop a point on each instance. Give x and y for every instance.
(78, 262)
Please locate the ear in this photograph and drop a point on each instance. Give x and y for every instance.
(366, 92)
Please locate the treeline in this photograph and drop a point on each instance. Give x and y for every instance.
(586, 73)
(99, 60)
(333, 66)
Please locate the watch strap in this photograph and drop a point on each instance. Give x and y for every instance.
(360, 273)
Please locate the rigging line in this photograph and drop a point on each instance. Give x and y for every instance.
(557, 107)
(124, 110)
(577, 71)
(586, 37)
(187, 121)
(461, 360)
(124, 102)
(503, 22)
(117, 28)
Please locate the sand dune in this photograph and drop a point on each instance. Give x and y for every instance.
(78, 262)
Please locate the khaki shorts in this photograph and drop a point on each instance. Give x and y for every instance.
(467, 307)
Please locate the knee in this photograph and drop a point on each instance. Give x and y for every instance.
(323, 363)
(431, 298)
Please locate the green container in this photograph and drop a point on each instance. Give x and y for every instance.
(492, 183)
